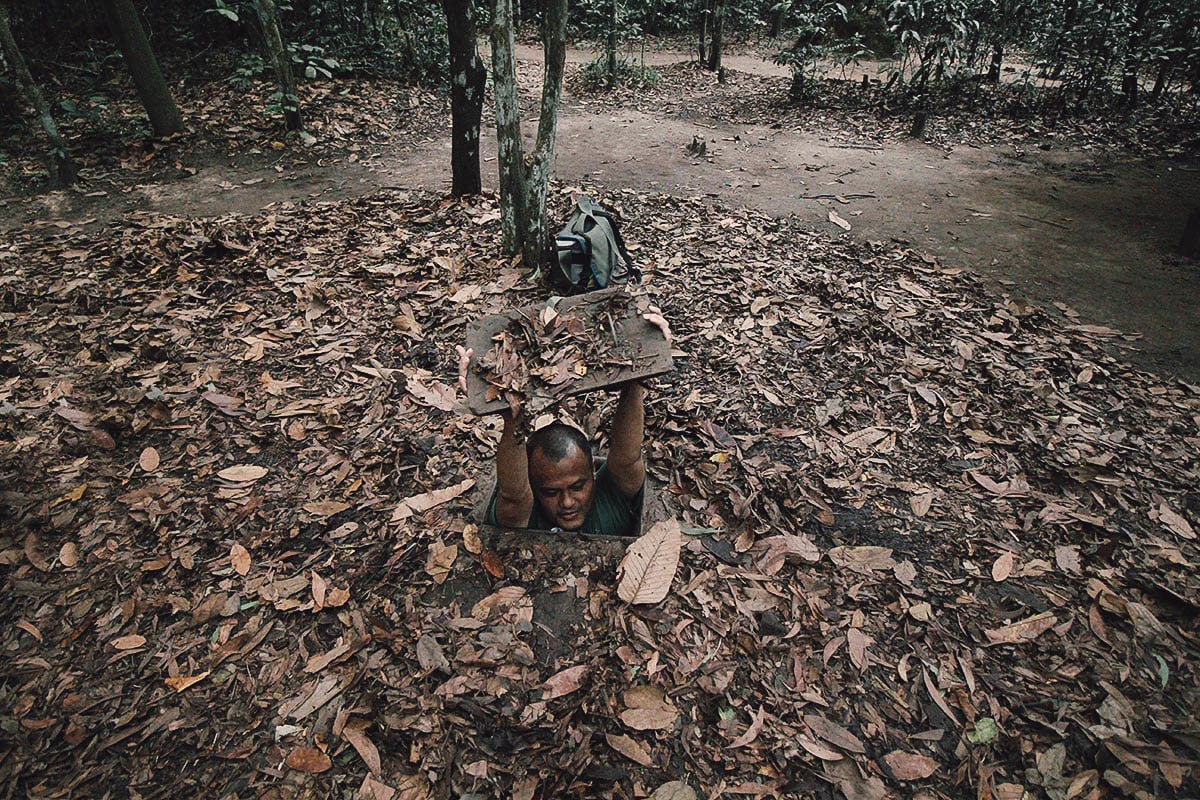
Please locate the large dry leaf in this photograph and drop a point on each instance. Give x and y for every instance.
(148, 460)
(182, 682)
(910, 766)
(863, 559)
(864, 439)
(834, 734)
(1175, 522)
(649, 564)
(818, 749)
(508, 602)
(564, 682)
(430, 655)
(629, 748)
(1002, 567)
(242, 473)
(325, 508)
(674, 790)
(440, 560)
(751, 733)
(308, 760)
(648, 709)
(1024, 631)
(239, 558)
(421, 503)
(355, 732)
(437, 395)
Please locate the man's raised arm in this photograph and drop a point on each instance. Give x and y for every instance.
(625, 463)
(514, 497)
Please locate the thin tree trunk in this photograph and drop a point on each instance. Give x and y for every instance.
(611, 50)
(467, 79)
(510, 151)
(62, 169)
(718, 34)
(522, 184)
(285, 83)
(993, 75)
(776, 23)
(143, 68)
(1133, 55)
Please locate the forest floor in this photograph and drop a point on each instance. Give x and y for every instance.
(940, 539)
(1085, 217)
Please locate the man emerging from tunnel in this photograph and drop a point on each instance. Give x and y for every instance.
(553, 482)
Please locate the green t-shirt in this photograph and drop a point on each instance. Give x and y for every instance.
(612, 513)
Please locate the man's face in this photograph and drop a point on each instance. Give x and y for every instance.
(564, 488)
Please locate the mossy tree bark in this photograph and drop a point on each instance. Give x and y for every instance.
(143, 68)
(281, 63)
(62, 169)
(523, 181)
(467, 80)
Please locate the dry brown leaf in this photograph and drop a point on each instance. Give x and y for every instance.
(508, 600)
(818, 749)
(564, 682)
(242, 473)
(472, 542)
(910, 766)
(649, 564)
(1066, 556)
(148, 460)
(629, 748)
(1175, 522)
(755, 728)
(239, 558)
(182, 682)
(355, 732)
(439, 560)
(34, 557)
(1024, 631)
(437, 394)
(837, 219)
(319, 588)
(857, 643)
(68, 554)
(864, 559)
(325, 508)
(675, 790)
(864, 439)
(1002, 567)
(430, 654)
(648, 709)
(372, 789)
(130, 642)
(920, 503)
(308, 760)
(834, 734)
(421, 503)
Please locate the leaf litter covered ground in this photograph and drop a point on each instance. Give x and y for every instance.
(936, 543)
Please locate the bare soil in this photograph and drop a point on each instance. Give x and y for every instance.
(1089, 232)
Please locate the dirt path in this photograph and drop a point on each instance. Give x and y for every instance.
(1051, 227)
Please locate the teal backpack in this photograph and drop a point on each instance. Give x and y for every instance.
(589, 252)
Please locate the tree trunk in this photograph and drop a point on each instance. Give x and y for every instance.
(466, 98)
(993, 75)
(718, 33)
(277, 54)
(776, 23)
(1133, 55)
(611, 48)
(62, 169)
(143, 68)
(1189, 243)
(705, 17)
(523, 184)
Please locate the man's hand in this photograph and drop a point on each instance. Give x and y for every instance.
(655, 317)
(464, 364)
